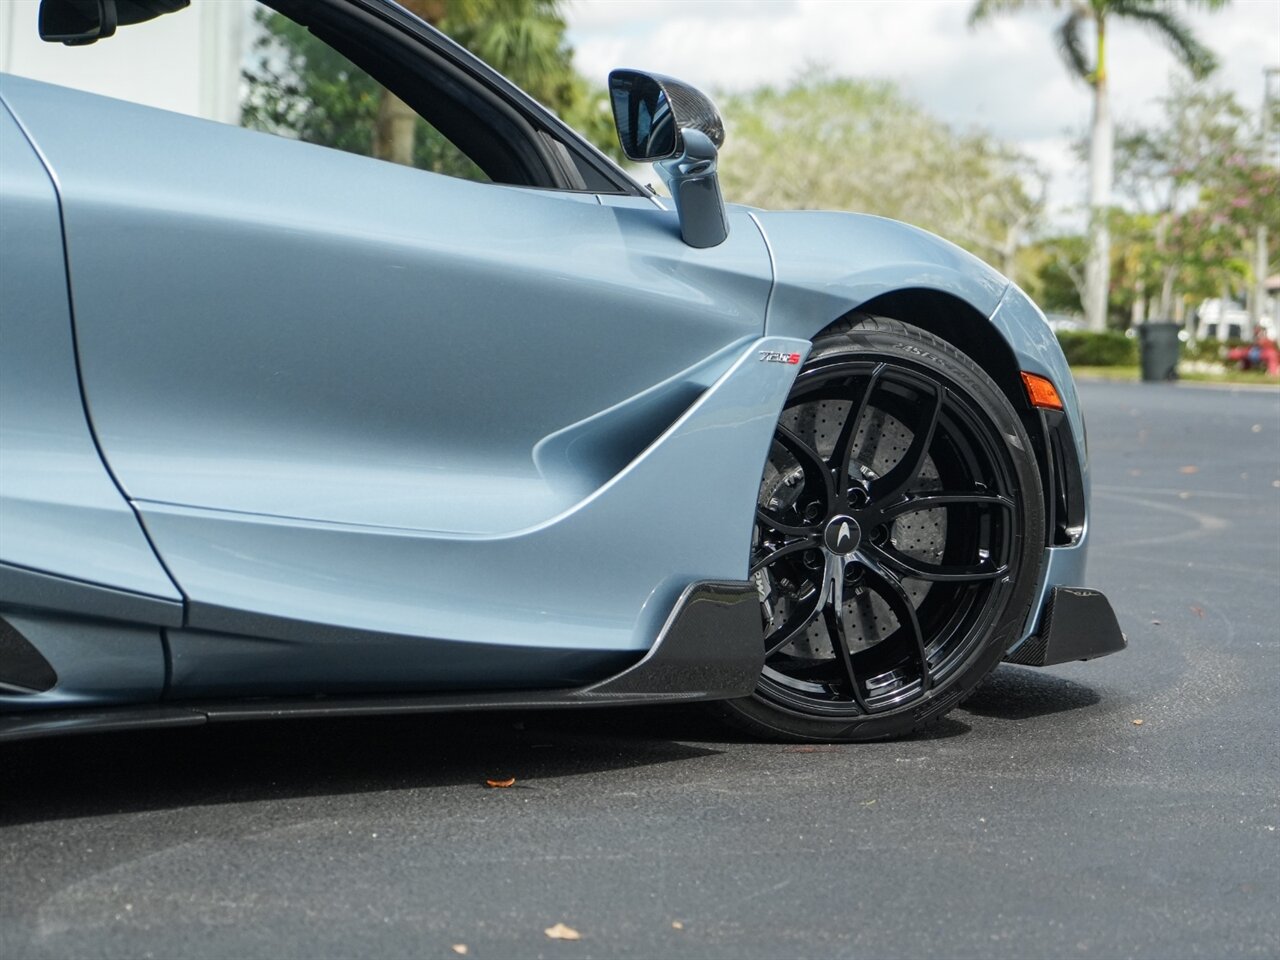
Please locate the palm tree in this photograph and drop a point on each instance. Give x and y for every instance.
(1156, 15)
(523, 39)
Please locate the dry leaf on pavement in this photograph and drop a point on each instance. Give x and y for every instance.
(502, 782)
(562, 932)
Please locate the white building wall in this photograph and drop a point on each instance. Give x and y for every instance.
(188, 61)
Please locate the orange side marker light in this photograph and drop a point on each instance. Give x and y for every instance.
(1041, 391)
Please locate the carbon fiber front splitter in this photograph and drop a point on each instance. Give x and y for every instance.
(1078, 624)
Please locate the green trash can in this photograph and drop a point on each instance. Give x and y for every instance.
(1160, 347)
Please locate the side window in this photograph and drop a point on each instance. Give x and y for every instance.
(296, 85)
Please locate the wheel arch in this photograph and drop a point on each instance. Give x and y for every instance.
(957, 321)
(830, 266)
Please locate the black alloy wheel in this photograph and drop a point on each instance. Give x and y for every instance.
(898, 538)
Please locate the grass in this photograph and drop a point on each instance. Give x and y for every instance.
(1106, 373)
(1133, 374)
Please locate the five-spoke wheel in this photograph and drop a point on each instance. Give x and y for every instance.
(898, 524)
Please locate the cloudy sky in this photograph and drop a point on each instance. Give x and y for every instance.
(1005, 77)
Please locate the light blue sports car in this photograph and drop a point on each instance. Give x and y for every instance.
(287, 431)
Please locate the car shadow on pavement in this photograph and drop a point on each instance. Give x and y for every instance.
(92, 775)
(1021, 693)
(96, 774)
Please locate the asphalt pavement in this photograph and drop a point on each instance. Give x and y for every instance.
(1128, 807)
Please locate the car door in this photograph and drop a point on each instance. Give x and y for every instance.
(279, 338)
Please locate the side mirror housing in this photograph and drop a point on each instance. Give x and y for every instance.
(664, 121)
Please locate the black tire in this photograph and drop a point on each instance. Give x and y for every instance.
(923, 595)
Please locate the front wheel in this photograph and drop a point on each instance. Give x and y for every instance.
(898, 538)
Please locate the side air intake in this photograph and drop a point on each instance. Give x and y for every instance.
(22, 669)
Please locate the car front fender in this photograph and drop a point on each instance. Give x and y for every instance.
(827, 264)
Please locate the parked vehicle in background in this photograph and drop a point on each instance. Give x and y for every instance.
(1261, 354)
(1218, 319)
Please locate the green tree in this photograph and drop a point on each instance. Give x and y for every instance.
(522, 39)
(296, 85)
(1155, 15)
(849, 144)
(1053, 268)
(1195, 184)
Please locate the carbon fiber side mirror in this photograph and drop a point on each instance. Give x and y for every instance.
(667, 122)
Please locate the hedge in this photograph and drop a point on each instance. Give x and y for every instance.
(1086, 348)
(1207, 349)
